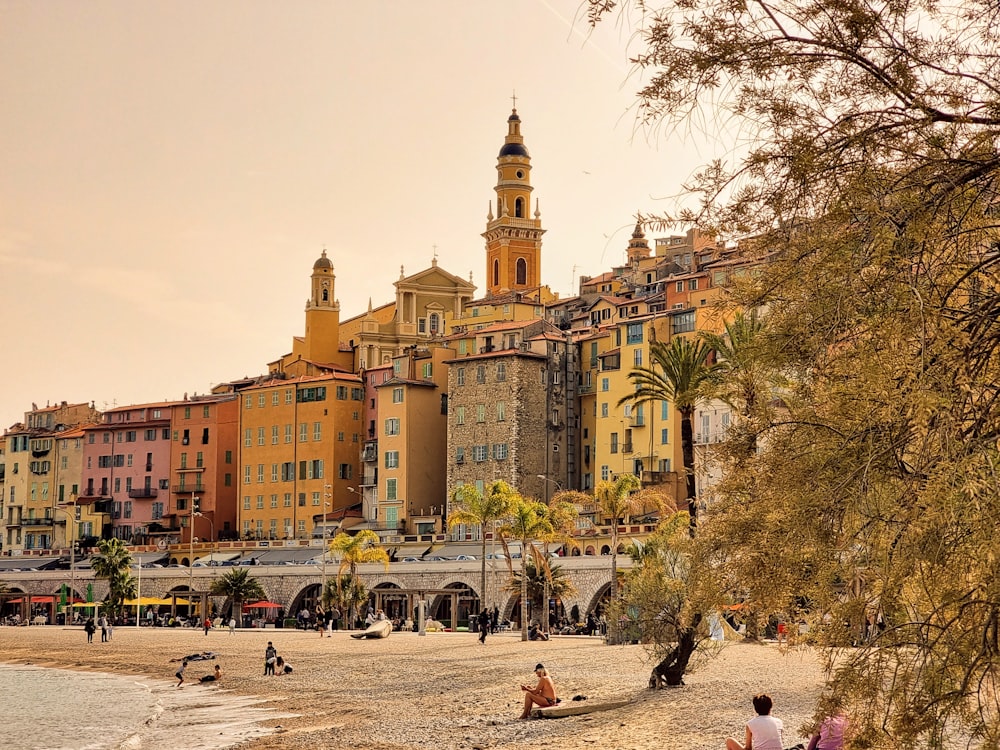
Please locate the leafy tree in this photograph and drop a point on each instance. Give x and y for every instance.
(527, 522)
(543, 583)
(238, 586)
(563, 512)
(348, 593)
(677, 372)
(355, 550)
(617, 500)
(113, 563)
(657, 597)
(472, 508)
(870, 189)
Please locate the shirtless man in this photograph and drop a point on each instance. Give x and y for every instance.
(543, 694)
(215, 677)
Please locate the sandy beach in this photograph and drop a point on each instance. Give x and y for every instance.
(445, 690)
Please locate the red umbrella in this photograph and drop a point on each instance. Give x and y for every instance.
(262, 605)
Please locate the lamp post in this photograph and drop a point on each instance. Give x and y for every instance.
(191, 516)
(70, 527)
(327, 503)
(546, 479)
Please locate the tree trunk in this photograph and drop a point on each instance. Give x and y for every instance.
(670, 671)
(687, 451)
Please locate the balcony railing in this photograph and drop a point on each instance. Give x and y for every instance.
(184, 488)
(142, 493)
(38, 521)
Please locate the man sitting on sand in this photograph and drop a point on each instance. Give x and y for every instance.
(763, 730)
(213, 677)
(543, 694)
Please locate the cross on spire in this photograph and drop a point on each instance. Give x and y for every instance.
(513, 99)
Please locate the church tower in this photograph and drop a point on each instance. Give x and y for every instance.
(638, 247)
(513, 239)
(322, 339)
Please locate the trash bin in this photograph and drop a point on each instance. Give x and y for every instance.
(61, 618)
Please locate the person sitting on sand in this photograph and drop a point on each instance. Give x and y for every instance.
(763, 730)
(542, 694)
(282, 666)
(215, 677)
(830, 733)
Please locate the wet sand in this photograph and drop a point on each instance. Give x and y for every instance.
(444, 690)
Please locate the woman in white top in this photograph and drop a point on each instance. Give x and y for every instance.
(763, 730)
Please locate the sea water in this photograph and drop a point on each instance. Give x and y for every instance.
(55, 709)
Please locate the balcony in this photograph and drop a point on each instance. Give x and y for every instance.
(181, 489)
(626, 447)
(656, 477)
(143, 493)
(38, 521)
(189, 469)
(584, 389)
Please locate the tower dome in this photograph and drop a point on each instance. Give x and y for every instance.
(322, 262)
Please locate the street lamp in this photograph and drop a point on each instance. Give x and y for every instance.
(326, 504)
(546, 479)
(195, 504)
(71, 528)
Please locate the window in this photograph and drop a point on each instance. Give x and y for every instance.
(288, 396)
(306, 395)
(288, 471)
(427, 369)
(397, 395)
(614, 442)
(260, 473)
(275, 472)
(166, 433)
(260, 436)
(460, 455)
(288, 433)
(501, 411)
(342, 393)
(634, 333)
(479, 453)
(501, 372)
(680, 286)
(286, 500)
(274, 399)
(344, 471)
(317, 431)
(392, 426)
(390, 489)
(480, 373)
(684, 323)
(304, 432)
(459, 415)
(605, 385)
(246, 502)
(500, 451)
(604, 409)
(392, 459)
(664, 436)
(480, 412)
(692, 285)
(605, 473)
(274, 498)
(315, 498)
(248, 402)
(260, 502)
(150, 435)
(521, 269)
(460, 375)
(247, 474)
(316, 468)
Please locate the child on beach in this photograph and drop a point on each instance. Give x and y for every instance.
(283, 666)
(270, 657)
(214, 677)
(180, 673)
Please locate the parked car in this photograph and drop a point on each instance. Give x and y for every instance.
(410, 559)
(466, 557)
(435, 558)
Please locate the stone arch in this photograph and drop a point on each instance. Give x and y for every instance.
(590, 551)
(393, 605)
(605, 549)
(600, 598)
(306, 597)
(441, 604)
(575, 552)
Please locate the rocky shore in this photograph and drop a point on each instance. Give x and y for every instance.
(446, 691)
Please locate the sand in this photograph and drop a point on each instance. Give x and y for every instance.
(446, 691)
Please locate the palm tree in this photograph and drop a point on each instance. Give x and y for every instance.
(617, 500)
(113, 563)
(678, 372)
(563, 513)
(362, 547)
(472, 507)
(544, 582)
(239, 586)
(528, 521)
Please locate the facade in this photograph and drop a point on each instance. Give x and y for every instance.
(35, 482)
(299, 453)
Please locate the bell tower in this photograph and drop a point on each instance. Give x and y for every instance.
(513, 237)
(322, 339)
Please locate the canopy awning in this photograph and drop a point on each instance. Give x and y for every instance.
(218, 557)
(27, 563)
(279, 556)
(148, 601)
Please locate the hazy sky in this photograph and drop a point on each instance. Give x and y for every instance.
(170, 170)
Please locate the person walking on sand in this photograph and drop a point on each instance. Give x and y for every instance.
(763, 730)
(90, 629)
(542, 694)
(180, 673)
(484, 625)
(207, 624)
(232, 625)
(270, 657)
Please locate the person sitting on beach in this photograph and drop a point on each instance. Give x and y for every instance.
(830, 733)
(535, 633)
(214, 677)
(763, 730)
(282, 666)
(542, 694)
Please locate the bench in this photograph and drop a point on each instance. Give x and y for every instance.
(575, 708)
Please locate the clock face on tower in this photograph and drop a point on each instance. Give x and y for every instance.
(326, 284)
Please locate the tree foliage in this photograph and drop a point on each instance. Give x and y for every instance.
(869, 187)
(238, 586)
(113, 563)
(473, 508)
(527, 521)
(354, 550)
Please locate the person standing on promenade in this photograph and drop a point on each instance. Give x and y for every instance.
(102, 623)
(270, 657)
(180, 673)
(484, 625)
(763, 730)
(90, 628)
(334, 619)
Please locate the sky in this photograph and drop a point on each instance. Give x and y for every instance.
(171, 169)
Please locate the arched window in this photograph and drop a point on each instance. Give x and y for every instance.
(326, 295)
(519, 208)
(496, 272)
(522, 271)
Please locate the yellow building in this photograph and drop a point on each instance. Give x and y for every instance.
(300, 443)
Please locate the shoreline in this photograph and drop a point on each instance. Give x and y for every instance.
(444, 689)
